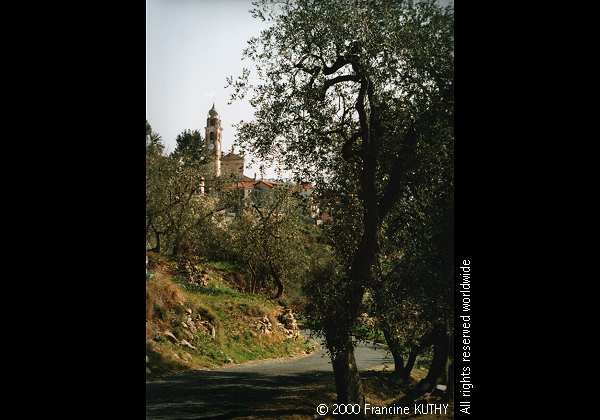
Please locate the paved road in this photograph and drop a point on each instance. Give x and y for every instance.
(269, 389)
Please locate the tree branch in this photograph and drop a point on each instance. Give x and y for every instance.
(339, 79)
(401, 169)
(347, 152)
(339, 62)
(208, 215)
(258, 210)
(300, 65)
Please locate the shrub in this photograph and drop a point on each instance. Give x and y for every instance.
(162, 297)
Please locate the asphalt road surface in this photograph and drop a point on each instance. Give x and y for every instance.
(277, 389)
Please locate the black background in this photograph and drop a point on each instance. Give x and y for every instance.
(79, 89)
(505, 59)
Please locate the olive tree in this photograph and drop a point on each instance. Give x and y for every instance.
(345, 94)
(176, 209)
(268, 239)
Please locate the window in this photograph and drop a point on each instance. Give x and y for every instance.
(212, 122)
(212, 136)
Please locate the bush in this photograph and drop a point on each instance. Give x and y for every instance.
(162, 298)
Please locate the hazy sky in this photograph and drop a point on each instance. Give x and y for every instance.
(191, 47)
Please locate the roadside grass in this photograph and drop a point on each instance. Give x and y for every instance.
(382, 389)
(234, 315)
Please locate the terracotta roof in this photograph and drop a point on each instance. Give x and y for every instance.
(250, 183)
(265, 182)
(306, 185)
(240, 185)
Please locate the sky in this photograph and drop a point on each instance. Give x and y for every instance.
(191, 47)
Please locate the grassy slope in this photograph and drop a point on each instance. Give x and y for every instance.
(234, 315)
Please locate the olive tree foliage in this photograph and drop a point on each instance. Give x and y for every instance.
(177, 216)
(413, 289)
(157, 168)
(269, 240)
(345, 94)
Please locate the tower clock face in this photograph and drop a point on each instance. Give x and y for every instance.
(211, 146)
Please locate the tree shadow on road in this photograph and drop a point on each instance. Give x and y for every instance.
(227, 395)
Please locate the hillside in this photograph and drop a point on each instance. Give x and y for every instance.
(196, 318)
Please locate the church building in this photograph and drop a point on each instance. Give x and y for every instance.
(230, 168)
(230, 165)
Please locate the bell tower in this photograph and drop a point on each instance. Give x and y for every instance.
(213, 140)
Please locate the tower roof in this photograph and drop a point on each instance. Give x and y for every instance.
(213, 112)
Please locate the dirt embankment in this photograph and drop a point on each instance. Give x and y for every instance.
(196, 319)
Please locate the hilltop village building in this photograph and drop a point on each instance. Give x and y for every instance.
(229, 168)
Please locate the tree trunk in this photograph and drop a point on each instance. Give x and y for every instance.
(253, 282)
(347, 379)
(177, 246)
(157, 237)
(401, 370)
(449, 373)
(279, 288)
(451, 380)
(410, 363)
(250, 277)
(441, 347)
(277, 279)
(395, 349)
(345, 371)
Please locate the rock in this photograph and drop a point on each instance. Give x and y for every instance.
(184, 325)
(187, 344)
(192, 274)
(188, 310)
(228, 360)
(289, 324)
(170, 336)
(264, 325)
(208, 327)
